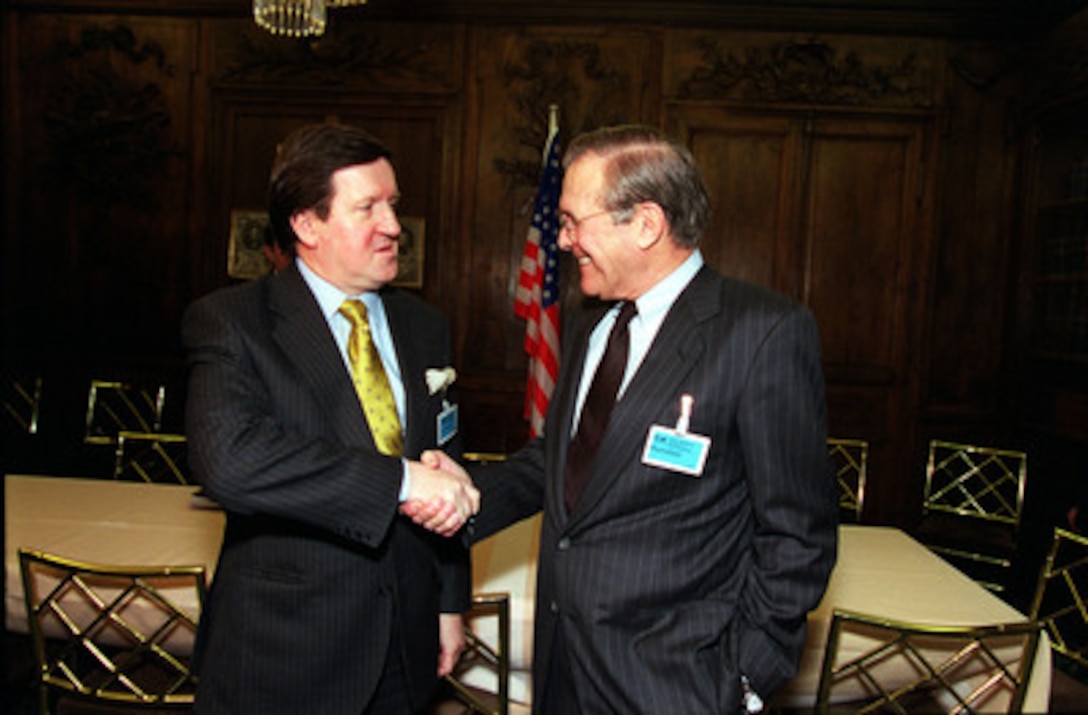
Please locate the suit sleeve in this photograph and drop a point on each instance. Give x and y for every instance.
(510, 491)
(783, 432)
(255, 458)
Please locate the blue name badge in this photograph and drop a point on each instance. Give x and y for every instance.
(677, 451)
(447, 423)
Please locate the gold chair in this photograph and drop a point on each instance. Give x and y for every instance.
(483, 457)
(874, 664)
(22, 398)
(114, 406)
(152, 457)
(972, 506)
(850, 460)
(109, 634)
(1061, 596)
(493, 656)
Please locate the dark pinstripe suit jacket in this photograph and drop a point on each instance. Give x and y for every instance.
(666, 587)
(316, 563)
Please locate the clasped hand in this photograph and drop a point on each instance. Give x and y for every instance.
(441, 495)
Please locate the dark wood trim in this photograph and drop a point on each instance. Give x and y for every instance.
(947, 18)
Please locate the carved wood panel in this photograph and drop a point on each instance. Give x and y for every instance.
(750, 164)
(101, 195)
(861, 229)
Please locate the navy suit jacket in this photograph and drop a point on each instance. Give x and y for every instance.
(317, 567)
(666, 587)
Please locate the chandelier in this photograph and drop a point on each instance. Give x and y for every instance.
(296, 18)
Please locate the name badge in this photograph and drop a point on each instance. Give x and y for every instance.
(679, 451)
(446, 426)
(676, 449)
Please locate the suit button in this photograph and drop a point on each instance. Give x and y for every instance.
(553, 607)
(564, 543)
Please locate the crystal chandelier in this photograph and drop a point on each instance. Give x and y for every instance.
(294, 18)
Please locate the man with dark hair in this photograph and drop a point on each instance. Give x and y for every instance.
(690, 512)
(308, 402)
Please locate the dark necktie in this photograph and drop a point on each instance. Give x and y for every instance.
(597, 407)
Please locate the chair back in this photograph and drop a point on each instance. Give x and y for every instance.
(152, 457)
(976, 482)
(1061, 596)
(483, 457)
(481, 653)
(21, 397)
(874, 664)
(112, 634)
(115, 406)
(850, 460)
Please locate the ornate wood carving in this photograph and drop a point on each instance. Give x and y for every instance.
(811, 72)
(982, 66)
(569, 74)
(107, 127)
(371, 56)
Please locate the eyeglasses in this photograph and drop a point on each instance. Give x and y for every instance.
(571, 225)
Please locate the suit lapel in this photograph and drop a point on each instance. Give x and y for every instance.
(302, 333)
(680, 343)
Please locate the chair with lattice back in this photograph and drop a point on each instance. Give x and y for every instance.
(485, 654)
(151, 457)
(1061, 596)
(112, 635)
(21, 399)
(21, 445)
(850, 460)
(874, 664)
(113, 406)
(481, 653)
(971, 507)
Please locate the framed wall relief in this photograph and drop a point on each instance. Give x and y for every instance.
(245, 251)
(410, 257)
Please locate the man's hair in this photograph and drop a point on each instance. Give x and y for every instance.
(302, 172)
(642, 165)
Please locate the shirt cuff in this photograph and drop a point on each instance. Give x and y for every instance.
(405, 482)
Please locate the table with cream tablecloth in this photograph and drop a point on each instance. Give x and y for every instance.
(106, 522)
(880, 570)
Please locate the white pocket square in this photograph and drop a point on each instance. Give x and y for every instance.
(439, 378)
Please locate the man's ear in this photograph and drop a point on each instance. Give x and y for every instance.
(304, 226)
(651, 224)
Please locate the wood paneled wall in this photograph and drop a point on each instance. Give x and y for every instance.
(872, 175)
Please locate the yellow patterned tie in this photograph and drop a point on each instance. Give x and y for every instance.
(371, 382)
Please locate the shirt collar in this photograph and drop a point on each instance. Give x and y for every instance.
(329, 297)
(654, 303)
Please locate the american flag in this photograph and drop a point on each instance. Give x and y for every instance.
(537, 295)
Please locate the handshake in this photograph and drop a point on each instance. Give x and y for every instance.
(441, 497)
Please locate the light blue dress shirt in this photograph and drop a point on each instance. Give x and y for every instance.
(653, 306)
(329, 299)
